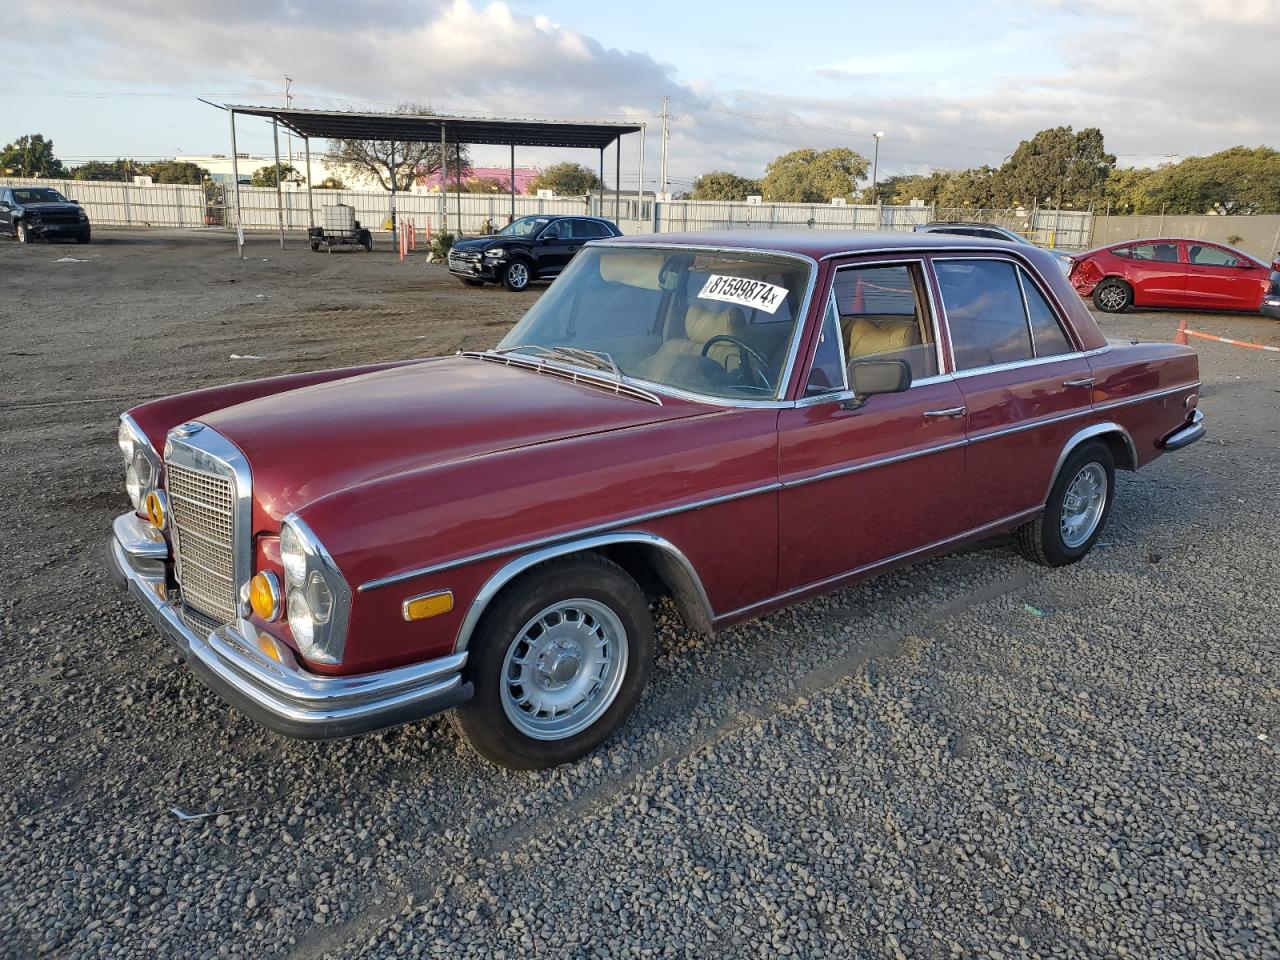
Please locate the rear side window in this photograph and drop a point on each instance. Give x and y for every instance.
(984, 311)
(1050, 339)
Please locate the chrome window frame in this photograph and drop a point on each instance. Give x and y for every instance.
(779, 400)
(180, 448)
(1068, 333)
(831, 309)
(935, 319)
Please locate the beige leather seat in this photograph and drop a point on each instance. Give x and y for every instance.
(701, 323)
(870, 335)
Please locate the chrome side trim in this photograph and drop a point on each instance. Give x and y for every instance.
(867, 568)
(562, 537)
(1149, 395)
(513, 569)
(201, 448)
(872, 464)
(1088, 433)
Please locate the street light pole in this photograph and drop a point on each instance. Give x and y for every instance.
(875, 163)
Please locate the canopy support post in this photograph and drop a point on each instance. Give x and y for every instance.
(275, 136)
(513, 184)
(393, 186)
(600, 211)
(444, 181)
(617, 175)
(457, 178)
(640, 175)
(311, 209)
(235, 175)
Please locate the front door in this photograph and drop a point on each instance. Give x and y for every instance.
(556, 247)
(6, 215)
(1026, 384)
(865, 484)
(1218, 279)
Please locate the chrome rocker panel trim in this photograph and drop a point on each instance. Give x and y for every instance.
(283, 695)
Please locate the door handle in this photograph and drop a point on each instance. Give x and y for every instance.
(1082, 382)
(952, 413)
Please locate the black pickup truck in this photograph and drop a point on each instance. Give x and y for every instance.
(528, 249)
(41, 213)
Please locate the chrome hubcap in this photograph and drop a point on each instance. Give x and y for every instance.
(518, 274)
(1083, 504)
(564, 669)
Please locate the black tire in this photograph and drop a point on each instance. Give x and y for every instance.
(472, 283)
(517, 275)
(21, 233)
(587, 576)
(314, 246)
(1042, 540)
(84, 239)
(1113, 295)
(366, 241)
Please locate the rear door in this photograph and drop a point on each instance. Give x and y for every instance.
(1218, 279)
(555, 247)
(1158, 274)
(1025, 382)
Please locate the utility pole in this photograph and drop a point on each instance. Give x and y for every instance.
(875, 164)
(666, 136)
(288, 135)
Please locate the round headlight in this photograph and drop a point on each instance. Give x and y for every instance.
(319, 598)
(128, 444)
(138, 478)
(292, 555)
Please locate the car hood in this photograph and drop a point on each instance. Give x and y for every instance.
(483, 243)
(56, 207)
(307, 443)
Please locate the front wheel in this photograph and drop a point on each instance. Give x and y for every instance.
(1113, 296)
(22, 233)
(558, 663)
(516, 276)
(472, 283)
(1076, 511)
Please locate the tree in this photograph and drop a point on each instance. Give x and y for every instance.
(566, 180)
(175, 171)
(723, 185)
(266, 176)
(1240, 180)
(117, 170)
(1127, 190)
(486, 185)
(811, 176)
(412, 159)
(331, 183)
(1056, 166)
(31, 156)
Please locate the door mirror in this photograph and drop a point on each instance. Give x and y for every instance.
(870, 377)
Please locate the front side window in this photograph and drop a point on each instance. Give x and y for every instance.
(715, 323)
(883, 316)
(984, 312)
(829, 371)
(524, 227)
(1160, 252)
(1211, 256)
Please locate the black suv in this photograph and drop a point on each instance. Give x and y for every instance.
(528, 249)
(29, 213)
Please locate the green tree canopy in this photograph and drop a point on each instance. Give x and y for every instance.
(1236, 180)
(117, 170)
(566, 180)
(31, 156)
(723, 185)
(175, 171)
(412, 159)
(331, 183)
(812, 176)
(266, 176)
(1055, 166)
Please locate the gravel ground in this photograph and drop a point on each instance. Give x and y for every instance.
(973, 757)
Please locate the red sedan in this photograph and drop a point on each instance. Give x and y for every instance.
(1176, 273)
(736, 420)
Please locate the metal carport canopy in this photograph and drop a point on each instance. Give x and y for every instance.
(350, 125)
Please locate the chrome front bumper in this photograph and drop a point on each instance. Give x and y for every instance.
(273, 688)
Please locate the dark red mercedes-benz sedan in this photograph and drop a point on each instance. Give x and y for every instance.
(736, 420)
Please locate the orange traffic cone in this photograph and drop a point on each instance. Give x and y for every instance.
(1181, 335)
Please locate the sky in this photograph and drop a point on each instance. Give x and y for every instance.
(950, 84)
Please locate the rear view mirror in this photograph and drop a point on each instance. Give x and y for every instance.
(870, 377)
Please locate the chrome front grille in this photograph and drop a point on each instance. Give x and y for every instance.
(204, 509)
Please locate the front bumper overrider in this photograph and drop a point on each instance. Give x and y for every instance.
(261, 677)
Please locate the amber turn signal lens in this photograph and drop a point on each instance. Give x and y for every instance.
(264, 596)
(155, 507)
(428, 605)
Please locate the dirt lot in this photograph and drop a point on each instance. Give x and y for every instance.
(973, 757)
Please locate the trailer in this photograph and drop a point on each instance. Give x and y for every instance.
(341, 228)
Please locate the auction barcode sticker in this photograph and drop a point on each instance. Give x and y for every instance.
(744, 292)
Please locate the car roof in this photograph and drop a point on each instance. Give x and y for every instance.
(1202, 241)
(817, 243)
(963, 223)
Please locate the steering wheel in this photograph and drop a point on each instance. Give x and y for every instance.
(756, 367)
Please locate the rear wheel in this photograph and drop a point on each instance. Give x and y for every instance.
(1113, 296)
(516, 276)
(1077, 510)
(558, 663)
(367, 242)
(314, 246)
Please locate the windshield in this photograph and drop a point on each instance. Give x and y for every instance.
(717, 324)
(524, 227)
(38, 195)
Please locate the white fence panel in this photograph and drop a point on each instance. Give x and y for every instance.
(126, 204)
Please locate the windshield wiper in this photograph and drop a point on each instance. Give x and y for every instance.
(595, 358)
